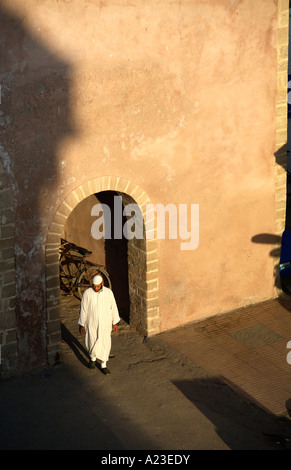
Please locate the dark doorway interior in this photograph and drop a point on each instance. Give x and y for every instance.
(116, 259)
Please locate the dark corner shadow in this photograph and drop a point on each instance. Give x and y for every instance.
(241, 422)
(288, 407)
(282, 282)
(275, 241)
(281, 244)
(282, 158)
(75, 345)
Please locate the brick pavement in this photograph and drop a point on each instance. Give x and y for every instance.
(247, 349)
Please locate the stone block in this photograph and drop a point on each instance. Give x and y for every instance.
(54, 339)
(8, 290)
(52, 281)
(53, 327)
(53, 313)
(283, 36)
(283, 6)
(52, 270)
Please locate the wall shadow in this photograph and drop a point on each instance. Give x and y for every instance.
(51, 408)
(279, 242)
(240, 422)
(36, 117)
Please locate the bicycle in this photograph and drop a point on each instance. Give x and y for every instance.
(76, 273)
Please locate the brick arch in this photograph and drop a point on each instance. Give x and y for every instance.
(143, 287)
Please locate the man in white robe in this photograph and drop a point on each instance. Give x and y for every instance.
(98, 316)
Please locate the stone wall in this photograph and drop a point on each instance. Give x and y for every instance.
(8, 333)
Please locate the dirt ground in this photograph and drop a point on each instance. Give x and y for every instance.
(154, 399)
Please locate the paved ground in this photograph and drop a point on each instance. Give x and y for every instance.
(247, 350)
(223, 383)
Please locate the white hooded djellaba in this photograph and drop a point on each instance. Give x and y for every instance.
(98, 312)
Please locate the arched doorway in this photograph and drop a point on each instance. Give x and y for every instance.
(111, 248)
(142, 261)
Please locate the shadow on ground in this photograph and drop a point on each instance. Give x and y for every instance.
(241, 423)
(155, 399)
(74, 344)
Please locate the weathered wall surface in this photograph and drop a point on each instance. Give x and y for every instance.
(78, 230)
(178, 97)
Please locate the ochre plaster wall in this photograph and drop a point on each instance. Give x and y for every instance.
(176, 96)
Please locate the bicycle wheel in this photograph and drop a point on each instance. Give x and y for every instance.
(68, 273)
(85, 279)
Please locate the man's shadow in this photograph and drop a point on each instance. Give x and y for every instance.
(78, 349)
